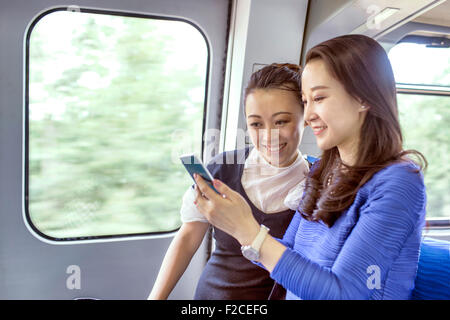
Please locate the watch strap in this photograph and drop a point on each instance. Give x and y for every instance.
(257, 243)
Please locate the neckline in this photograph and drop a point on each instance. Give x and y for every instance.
(267, 163)
(244, 193)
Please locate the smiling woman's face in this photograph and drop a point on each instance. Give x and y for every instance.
(275, 124)
(335, 117)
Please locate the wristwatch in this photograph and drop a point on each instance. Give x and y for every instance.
(251, 252)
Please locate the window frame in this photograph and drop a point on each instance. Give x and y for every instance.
(429, 90)
(25, 167)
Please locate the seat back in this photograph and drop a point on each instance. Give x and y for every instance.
(433, 273)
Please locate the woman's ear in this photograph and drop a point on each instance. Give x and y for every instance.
(363, 108)
(362, 105)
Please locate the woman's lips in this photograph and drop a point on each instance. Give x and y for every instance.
(318, 130)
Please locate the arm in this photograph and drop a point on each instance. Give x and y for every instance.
(289, 236)
(177, 258)
(287, 241)
(375, 242)
(395, 208)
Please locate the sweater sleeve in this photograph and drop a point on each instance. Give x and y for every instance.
(289, 236)
(393, 212)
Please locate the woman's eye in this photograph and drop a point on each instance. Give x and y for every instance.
(281, 122)
(317, 99)
(255, 124)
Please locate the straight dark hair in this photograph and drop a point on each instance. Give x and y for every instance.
(363, 67)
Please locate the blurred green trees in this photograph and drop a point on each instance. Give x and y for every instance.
(107, 94)
(425, 126)
(425, 118)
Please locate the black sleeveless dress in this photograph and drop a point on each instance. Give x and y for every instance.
(228, 275)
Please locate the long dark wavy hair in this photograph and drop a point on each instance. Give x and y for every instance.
(362, 66)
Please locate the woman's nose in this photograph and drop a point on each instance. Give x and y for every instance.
(269, 135)
(309, 115)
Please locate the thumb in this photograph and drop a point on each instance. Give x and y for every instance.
(222, 188)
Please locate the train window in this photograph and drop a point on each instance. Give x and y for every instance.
(425, 114)
(421, 64)
(109, 99)
(425, 123)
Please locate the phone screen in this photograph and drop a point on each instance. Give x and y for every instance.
(194, 165)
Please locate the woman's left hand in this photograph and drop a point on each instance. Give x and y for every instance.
(229, 212)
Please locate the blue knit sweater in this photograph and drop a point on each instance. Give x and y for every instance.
(371, 251)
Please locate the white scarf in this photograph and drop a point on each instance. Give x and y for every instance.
(274, 189)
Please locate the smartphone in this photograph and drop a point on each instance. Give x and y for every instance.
(194, 165)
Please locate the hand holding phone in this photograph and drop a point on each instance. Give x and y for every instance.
(194, 165)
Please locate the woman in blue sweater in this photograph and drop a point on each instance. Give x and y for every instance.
(357, 231)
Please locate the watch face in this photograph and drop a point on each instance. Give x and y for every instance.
(250, 253)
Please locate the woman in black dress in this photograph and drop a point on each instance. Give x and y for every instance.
(270, 176)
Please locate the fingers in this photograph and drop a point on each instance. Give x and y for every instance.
(223, 189)
(198, 193)
(204, 206)
(204, 189)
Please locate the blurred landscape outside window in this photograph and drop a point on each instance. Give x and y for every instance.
(425, 119)
(111, 100)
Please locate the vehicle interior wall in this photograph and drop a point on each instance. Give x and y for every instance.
(117, 268)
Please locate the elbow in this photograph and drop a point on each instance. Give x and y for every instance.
(332, 287)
